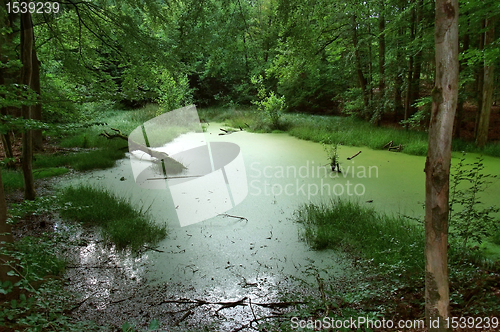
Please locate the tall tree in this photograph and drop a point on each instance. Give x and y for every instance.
(27, 74)
(487, 89)
(437, 166)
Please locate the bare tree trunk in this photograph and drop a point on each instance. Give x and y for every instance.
(26, 58)
(437, 166)
(479, 80)
(409, 78)
(37, 109)
(398, 80)
(487, 93)
(381, 51)
(6, 237)
(359, 68)
(460, 108)
(417, 69)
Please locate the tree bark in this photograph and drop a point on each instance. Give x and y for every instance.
(487, 93)
(381, 51)
(359, 68)
(437, 166)
(460, 108)
(417, 69)
(26, 58)
(409, 77)
(398, 80)
(5, 237)
(37, 109)
(479, 79)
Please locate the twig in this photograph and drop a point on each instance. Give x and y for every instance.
(251, 308)
(149, 248)
(186, 315)
(388, 145)
(175, 177)
(80, 304)
(354, 155)
(228, 215)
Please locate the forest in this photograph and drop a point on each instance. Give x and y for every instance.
(351, 78)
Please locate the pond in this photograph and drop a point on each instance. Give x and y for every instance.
(254, 249)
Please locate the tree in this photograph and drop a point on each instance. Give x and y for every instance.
(437, 167)
(27, 74)
(487, 89)
(5, 237)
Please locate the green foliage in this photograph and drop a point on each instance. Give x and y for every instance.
(41, 304)
(269, 103)
(469, 220)
(120, 222)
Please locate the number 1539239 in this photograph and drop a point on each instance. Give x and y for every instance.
(24, 7)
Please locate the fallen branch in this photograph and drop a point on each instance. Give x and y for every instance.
(149, 248)
(354, 155)
(388, 145)
(395, 148)
(231, 216)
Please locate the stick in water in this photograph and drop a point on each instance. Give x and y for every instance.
(354, 155)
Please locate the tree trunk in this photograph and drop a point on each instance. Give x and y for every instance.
(398, 80)
(409, 77)
(479, 80)
(37, 109)
(460, 108)
(26, 58)
(381, 51)
(417, 69)
(381, 65)
(437, 166)
(5, 237)
(487, 93)
(361, 77)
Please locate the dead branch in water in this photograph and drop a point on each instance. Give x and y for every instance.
(349, 158)
(231, 216)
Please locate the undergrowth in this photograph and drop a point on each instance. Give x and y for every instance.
(389, 253)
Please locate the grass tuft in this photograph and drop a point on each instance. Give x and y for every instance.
(120, 222)
(389, 242)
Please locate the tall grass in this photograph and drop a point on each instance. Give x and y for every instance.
(389, 242)
(121, 224)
